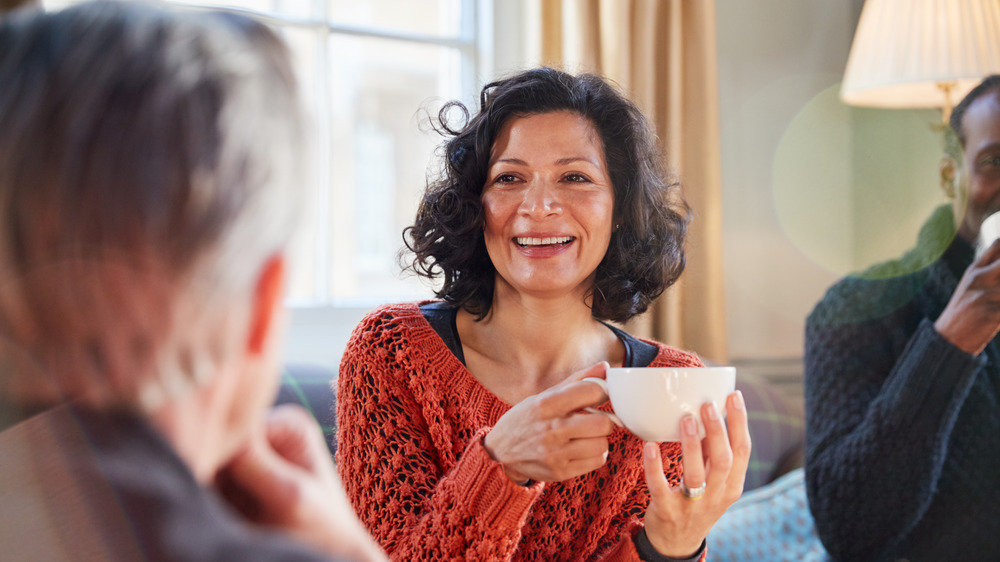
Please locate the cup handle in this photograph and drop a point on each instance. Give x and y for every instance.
(604, 386)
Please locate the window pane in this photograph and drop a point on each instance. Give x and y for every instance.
(308, 51)
(441, 18)
(381, 147)
(368, 101)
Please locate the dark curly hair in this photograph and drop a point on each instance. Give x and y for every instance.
(646, 252)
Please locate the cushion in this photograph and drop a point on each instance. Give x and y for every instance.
(310, 387)
(770, 523)
(777, 431)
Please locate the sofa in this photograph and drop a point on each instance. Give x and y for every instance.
(771, 521)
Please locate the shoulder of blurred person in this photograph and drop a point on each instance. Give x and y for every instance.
(76, 484)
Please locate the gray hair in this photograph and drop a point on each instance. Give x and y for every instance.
(147, 157)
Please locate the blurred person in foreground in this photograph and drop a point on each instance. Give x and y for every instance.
(148, 190)
(903, 378)
(461, 428)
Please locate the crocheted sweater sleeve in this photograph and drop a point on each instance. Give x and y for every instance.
(883, 393)
(386, 457)
(425, 486)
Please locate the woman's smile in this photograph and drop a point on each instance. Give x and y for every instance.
(525, 241)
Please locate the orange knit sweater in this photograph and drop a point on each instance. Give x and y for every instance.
(410, 427)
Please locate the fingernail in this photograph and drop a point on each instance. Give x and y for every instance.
(738, 402)
(690, 426)
(651, 450)
(713, 411)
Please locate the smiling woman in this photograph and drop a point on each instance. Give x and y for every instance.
(462, 433)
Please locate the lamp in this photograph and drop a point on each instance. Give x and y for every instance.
(921, 53)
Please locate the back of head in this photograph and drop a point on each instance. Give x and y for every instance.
(146, 159)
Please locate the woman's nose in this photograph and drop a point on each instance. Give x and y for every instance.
(541, 198)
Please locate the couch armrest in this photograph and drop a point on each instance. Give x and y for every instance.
(310, 387)
(777, 430)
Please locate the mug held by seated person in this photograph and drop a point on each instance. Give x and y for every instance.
(651, 401)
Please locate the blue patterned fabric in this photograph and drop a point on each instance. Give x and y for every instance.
(770, 523)
(777, 431)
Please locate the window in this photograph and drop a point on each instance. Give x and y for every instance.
(371, 73)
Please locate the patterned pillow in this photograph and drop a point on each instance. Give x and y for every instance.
(777, 431)
(309, 386)
(770, 523)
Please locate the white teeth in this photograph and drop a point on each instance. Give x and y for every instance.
(542, 241)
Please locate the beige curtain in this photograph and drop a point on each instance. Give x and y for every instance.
(6, 5)
(662, 53)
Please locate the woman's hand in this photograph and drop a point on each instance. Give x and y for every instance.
(546, 437)
(972, 318)
(285, 478)
(675, 524)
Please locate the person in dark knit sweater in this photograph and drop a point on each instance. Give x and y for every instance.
(903, 379)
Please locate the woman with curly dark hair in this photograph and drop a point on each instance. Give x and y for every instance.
(461, 423)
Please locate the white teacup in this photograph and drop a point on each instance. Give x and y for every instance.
(989, 231)
(650, 401)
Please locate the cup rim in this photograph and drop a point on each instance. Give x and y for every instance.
(714, 368)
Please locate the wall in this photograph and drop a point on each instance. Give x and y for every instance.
(812, 189)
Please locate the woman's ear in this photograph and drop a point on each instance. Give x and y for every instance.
(949, 176)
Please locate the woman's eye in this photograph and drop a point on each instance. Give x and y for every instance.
(505, 178)
(576, 178)
(993, 161)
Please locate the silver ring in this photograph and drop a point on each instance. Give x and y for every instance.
(692, 493)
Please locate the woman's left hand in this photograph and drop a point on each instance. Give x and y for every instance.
(676, 524)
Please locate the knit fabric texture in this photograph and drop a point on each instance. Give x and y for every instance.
(901, 441)
(411, 422)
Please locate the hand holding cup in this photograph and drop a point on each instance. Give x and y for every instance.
(680, 404)
(546, 437)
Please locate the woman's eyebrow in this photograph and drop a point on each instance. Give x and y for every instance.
(573, 159)
(515, 161)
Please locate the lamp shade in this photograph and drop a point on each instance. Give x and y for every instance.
(904, 50)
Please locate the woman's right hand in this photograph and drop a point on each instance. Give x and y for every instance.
(546, 437)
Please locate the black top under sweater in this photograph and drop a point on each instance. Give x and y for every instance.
(903, 428)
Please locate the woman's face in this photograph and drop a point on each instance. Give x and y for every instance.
(548, 202)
